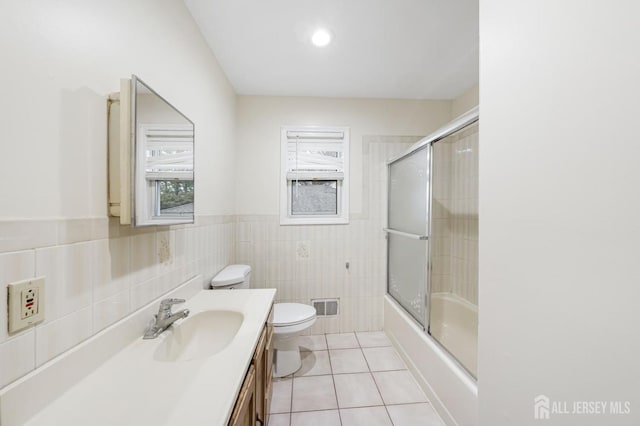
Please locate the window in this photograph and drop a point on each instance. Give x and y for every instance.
(167, 161)
(315, 175)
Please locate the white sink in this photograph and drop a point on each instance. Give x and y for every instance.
(199, 336)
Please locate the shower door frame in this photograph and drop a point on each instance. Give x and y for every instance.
(427, 142)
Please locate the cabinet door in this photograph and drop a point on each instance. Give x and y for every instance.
(261, 371)
(244, 413)
(268, 358)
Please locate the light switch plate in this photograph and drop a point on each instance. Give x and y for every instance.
(25, 303)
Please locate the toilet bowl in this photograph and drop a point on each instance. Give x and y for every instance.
(290, 320)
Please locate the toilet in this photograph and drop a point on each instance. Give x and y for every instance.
(290, 320)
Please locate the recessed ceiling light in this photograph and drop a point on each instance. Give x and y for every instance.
(321, 37)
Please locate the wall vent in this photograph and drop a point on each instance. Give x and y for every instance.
(326, 307)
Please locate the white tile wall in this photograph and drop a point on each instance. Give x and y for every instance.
(68, 275)
(307, 262)
(57, 336)
(109, 310)
(112, 267)
(98, 272)
(17, 356)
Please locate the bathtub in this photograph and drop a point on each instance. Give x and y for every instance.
(453, 392)
(454, 323)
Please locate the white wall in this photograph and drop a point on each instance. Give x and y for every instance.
(60, 60)
(559, 208)
(258, 136)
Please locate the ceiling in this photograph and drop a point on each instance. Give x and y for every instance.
(412, 49)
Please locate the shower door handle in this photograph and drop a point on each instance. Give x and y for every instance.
(406, 234)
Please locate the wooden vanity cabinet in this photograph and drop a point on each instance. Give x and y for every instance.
(259, 362)
(244, 412)
(269, 369)
(254, 399)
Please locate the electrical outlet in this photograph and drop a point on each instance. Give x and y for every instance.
(29, 303)
(26, 303)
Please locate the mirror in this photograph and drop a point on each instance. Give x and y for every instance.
(163, 189)
(151, 160)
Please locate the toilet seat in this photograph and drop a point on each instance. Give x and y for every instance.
(291, 314)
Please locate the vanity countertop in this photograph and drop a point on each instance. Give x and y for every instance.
(131, 388)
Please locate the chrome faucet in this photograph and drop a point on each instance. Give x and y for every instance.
(164, 318)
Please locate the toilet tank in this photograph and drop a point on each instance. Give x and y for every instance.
(232, 276)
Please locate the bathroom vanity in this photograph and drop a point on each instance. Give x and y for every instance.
(117, 378)
(254, 398)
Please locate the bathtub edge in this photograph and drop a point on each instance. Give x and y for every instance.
(452, 393)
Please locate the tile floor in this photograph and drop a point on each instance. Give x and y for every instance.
(350, 379)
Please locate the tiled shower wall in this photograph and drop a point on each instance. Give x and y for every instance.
(309, 262)
(98, 272)
(455, 215)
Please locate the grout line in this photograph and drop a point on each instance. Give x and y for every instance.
(388, 415)
(291, 400)
(369, 371)
(409, 403)
(326, 409)
(349, 408)
(353, 372)
(379, 393)
(335, 391)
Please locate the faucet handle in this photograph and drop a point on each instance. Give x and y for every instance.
(165, 305)
(169, 302)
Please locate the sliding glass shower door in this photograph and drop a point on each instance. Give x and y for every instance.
(407, 231)
(432, 232)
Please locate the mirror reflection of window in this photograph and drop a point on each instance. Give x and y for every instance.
(164, 177)
(176, 198)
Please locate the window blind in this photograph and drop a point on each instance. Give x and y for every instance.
(315, 155)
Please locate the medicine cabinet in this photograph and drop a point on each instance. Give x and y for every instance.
(151, 158)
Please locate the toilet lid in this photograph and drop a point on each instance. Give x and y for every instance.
(292, 313)
(232, 274)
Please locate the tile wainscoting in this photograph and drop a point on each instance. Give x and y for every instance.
(97, 272)
(309, 262)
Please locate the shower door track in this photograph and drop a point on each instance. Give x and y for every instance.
(464, 120)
